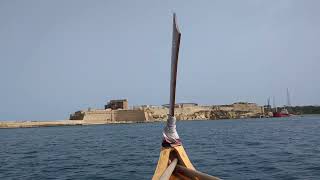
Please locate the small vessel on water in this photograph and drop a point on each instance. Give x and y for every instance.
(284, 111)
(174, 163)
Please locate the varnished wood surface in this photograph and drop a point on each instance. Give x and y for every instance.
(168, 153)
(184, 170)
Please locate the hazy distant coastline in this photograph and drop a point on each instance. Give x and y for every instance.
(156, 114)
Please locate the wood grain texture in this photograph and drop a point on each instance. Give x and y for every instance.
(169, 153)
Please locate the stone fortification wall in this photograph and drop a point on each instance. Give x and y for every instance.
(98, 116)
(102, 116)
(130, 115)
(159, 113)
(79, 115)
(225, 108)
(207, 112)
(249, 107)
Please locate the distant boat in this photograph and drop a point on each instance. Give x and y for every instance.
(174, 163)
(284, 111)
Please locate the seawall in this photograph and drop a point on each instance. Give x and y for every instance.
(31, 124)
(26, 124)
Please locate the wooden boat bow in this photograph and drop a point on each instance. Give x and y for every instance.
(174, 163)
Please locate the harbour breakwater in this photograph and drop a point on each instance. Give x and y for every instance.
(31, 124)
(27, 124)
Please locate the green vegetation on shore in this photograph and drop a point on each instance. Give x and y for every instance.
(305, 109)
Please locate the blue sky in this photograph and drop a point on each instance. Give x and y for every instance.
(61, 56)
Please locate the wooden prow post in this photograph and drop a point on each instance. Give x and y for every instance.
(170, 134)
(176, 36)
(175, 149)
(164, 158)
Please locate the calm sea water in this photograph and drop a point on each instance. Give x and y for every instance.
(230, 149)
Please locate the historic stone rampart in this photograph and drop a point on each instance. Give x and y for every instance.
(184, 111)
(102, 116)
(236, 110)
(130, 115)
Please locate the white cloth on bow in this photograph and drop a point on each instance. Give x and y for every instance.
(170, 133)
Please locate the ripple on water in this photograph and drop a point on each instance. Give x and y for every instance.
(242, 149)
